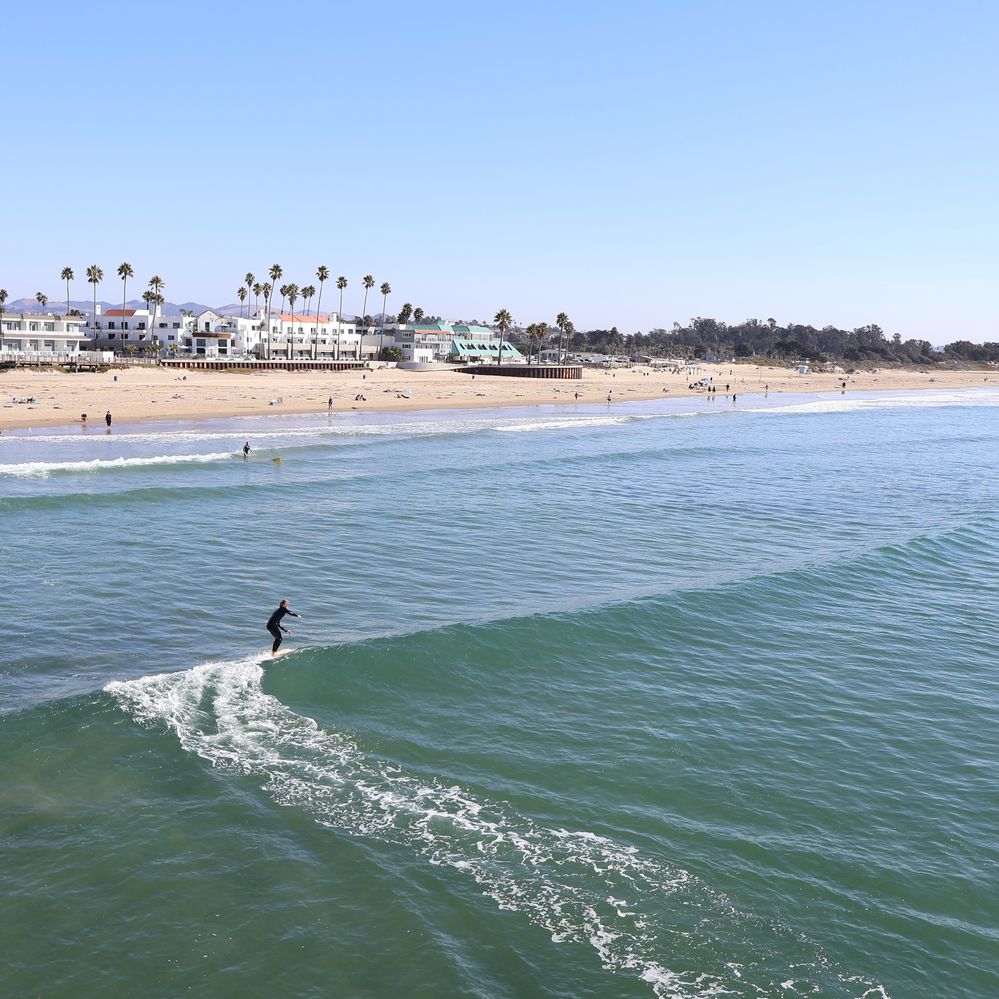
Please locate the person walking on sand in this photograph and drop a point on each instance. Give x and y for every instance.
(107, 418)
(275, 627)
(329, 405)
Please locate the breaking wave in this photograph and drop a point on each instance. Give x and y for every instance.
(580, 887)
(42, 469)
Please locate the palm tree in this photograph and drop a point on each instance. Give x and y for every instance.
(292, 290)
(323, 275)
(275, 275)
(386, 290)
(503, 322)
(3, 302)
(265, 290)
(67, 275)
(41, 298)
(248, 281)
(308, 294)
(561, 321)
(124, 272)
(341, 283)
(369, 282)
(405, 313)
(156, 285)
(418, 315)
(241, 295)
(256, 299)
(94, 276)
(532, 335)
(543, 331)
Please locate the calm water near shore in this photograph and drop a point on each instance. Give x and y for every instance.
(659, 699)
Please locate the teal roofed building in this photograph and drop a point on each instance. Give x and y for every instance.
(429, 343)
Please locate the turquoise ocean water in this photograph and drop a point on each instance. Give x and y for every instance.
(670, 699)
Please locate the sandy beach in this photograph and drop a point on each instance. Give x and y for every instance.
(147, 393)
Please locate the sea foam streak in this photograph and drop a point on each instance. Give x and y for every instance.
(40, 469)
(858, 402)
(567, 424)
(578, 886)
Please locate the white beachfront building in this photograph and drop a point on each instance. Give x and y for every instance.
(41, 333)
(135, 329)
(211, 334)
(434, 343)
(294, 336)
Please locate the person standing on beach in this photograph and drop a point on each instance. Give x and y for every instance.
(275, 627)
(329, 405)
(107, 418)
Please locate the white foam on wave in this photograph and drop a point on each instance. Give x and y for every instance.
(198, 436)
(41, 469)
(860, 403)
(578, 886)
(567, 424)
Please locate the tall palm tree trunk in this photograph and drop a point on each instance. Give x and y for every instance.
(339, 321)
(315, 339)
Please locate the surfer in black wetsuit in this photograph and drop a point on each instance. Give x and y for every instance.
(275, 627)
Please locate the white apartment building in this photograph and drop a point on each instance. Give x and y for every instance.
(430, 343)
(125, 329)
(325, 338)
(212, 334)
(41, 333)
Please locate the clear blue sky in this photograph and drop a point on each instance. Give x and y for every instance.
(628, 163)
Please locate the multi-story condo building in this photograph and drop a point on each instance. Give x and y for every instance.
(429, 343)
(325, 338)
(41, 333)
(123, 330)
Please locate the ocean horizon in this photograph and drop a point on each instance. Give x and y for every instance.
(664, 698)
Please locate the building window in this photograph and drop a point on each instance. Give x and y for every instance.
(110, 326)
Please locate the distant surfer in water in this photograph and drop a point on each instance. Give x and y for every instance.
(246, 450)
(275, 627)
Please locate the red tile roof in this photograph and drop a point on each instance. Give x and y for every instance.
(290, 317)
(120, 312)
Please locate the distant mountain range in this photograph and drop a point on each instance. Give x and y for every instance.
(86, 305)
(19, 305)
